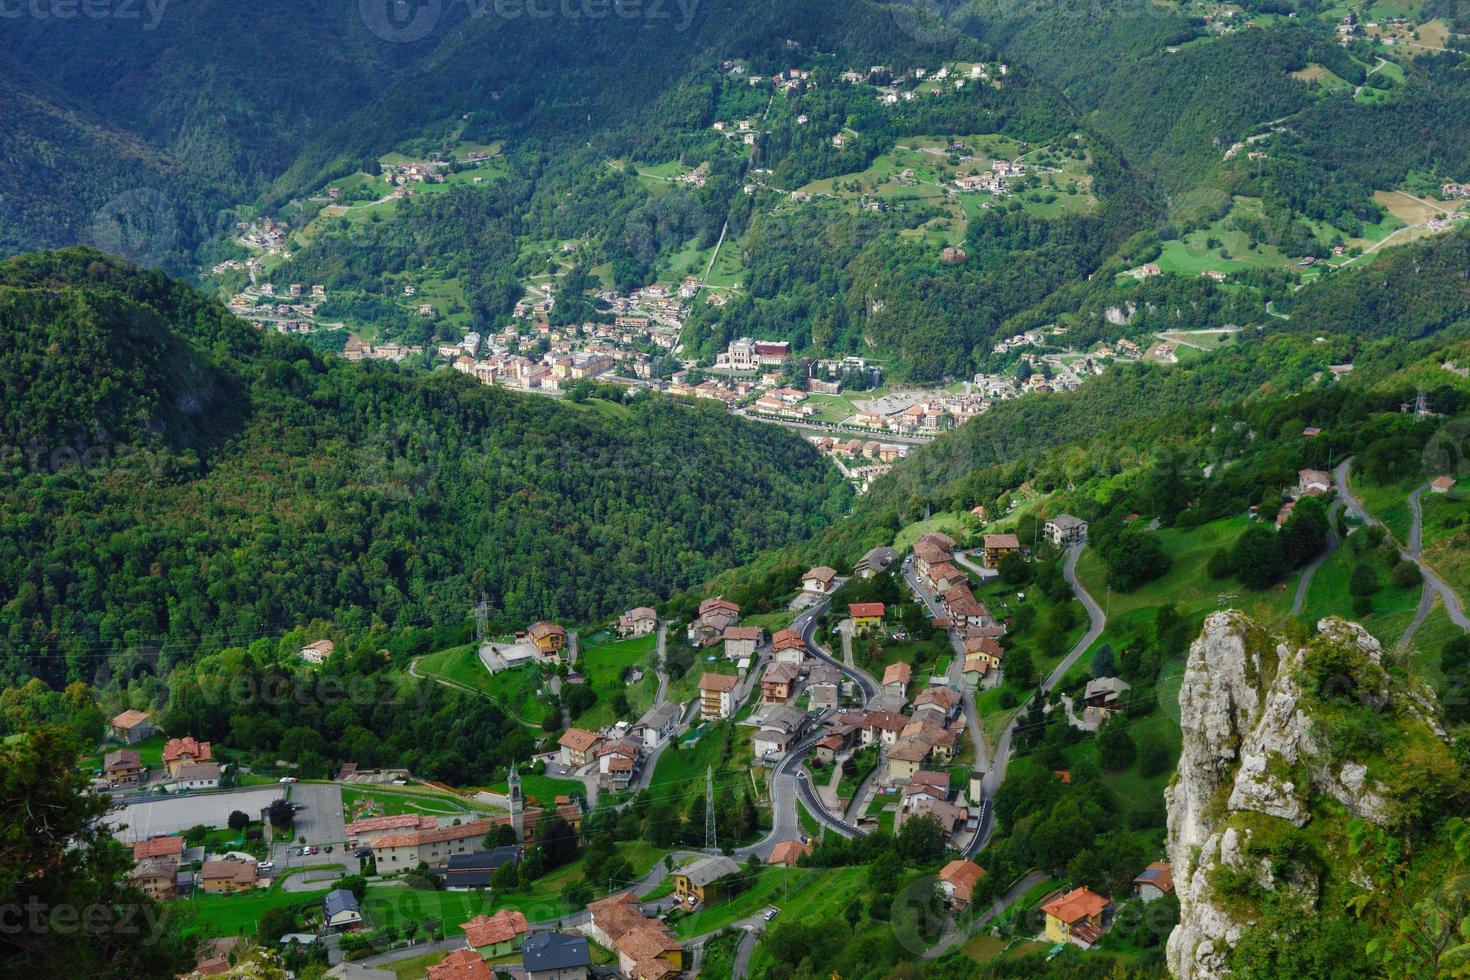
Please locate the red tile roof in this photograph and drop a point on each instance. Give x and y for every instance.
(188, 746)
(462, 964)
(787, 640)
(158, 847)
(492, 930)
(962, 876)
(718, 682)
(865, 609)
(1077, 904)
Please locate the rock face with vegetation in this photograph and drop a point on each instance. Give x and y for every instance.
(1290, 750)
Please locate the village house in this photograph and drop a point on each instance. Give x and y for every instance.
(1103, 697)
(131, 727)
(155, 877)
(824, 687)
(905, 757)
(982, 655)
(318, 652)
(789, 647)
(715, 616)
(717, 696)
(1154, 882)
(1065, 530)
(1312, 483)
(617, 762)
(170, 847)
(741, 641)
(397, 852)
(466, 872)
(882, 727)
(123, 767)
(937, 704)
(637, 622)
(461, 964)
(657, 724)
(575, 747)
(965, 611)
(788, 853)
(493, 936)
(866, 616)
(700, 882)
(646, 949)
(555, 956)
(1075, 917)
(1442, 484)
(780, 728)
(340, 911)
(549, 639)
(197, 775)
(779, 683)
(225, 876)
(957, 880)
(896, 678)
(875, 562)
(183, 751)
(997, 546)
(819, 580)
(951, 817)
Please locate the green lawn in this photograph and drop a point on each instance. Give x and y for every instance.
(1447, 539)
(603, 667)
(1328, 595)
(1187, 584)
(389, 802)
(544, 789)
(519, 690)
(1388, 503)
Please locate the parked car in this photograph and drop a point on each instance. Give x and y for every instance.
(266, 866)
(312, 850)
(329, 848)
(287, 779)
(363, 852)
(770, 913)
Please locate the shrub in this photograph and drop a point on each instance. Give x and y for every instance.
(1364, 581)
(1406, 575)
(1219, 564)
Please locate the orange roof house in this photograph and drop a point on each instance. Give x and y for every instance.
(492, 932)
(1075, 917)
(898, 675)
(575, 745)
(158, 847)
(958, 879)
(462, 964)
(182, 751)
(789, 852)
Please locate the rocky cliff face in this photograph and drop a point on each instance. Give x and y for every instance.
(1257, 766)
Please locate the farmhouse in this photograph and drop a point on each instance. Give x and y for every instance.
(131, 727)
(1064, 530)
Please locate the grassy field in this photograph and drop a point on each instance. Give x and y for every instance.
(1193, 253)
(680, 773)
(1447, 539)
(1389, 503)
(1328, 595)
(1186, 584)
(544, 789)
(391, 802)
(952, 522)
(603, 668)
(519, 690)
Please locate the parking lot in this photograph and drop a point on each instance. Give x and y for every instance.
(174, 814)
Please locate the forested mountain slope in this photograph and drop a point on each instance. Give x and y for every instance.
(234, 484)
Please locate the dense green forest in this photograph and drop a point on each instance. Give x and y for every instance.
(181, 481)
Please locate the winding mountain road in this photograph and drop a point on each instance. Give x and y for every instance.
(996, 775)
(1433, 584)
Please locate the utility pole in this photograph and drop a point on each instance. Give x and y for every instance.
(709, 809)
(482, 621)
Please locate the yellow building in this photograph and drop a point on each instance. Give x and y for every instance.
(1075, 917)
(700, 881)
(865, 616)
(223, 877)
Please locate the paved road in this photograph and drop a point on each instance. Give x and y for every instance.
(1011, 895)
(741, 967)
(806, 623)
(996, 775)
(1333, 541)
(1412, 552)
